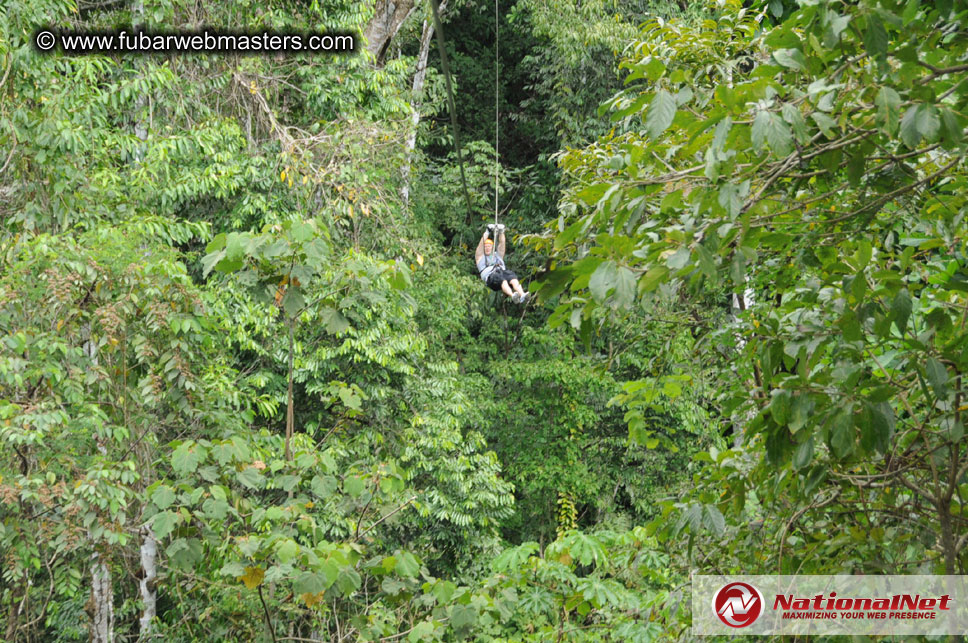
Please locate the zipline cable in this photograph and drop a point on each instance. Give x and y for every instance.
(442, 45)
(497, 94)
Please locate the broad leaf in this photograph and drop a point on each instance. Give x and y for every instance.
(937, 376)
(769, 129)
(791, 59)
(603, 279)
(661, 111)
(888, 109)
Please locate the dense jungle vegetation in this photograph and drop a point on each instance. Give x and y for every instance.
(253, 389)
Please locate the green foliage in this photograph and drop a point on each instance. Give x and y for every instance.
(571, 68)
(223, 331)
(808, 170)
(587, 583)
(106, 351)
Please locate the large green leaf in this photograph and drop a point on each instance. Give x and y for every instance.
(770, 129)
(791, 58)
(287, 549)
(462, 616)
(842, 433)
(928, 122)
(952, 131)
(163, 523)
(334, 321)
(163, 496)
(185, 457)
(308, 582)
(348, 580)
(732, 197)
(421, 632)
(888, 109)
(803, 454)
(878, 428)
(603, 280)
(661, 111)
(901, 309)
(875, 37)
(713, 520)
(910, 132)
(624, 287)
(293, 301)
(651, 280)
(210, 260)
(937, 376)
(407, 564)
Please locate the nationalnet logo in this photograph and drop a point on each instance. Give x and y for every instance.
(851, 605)
(898, 606)
(738, 604)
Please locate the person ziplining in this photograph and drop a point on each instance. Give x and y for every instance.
(491, 267)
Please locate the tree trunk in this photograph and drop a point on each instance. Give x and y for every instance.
(102, 594)
(739, 304)
(149, 544)
(149, 596)
(387, 18)
(11, 620)
(948, 542)
(290, 412)
(417, 94)
(140, 126)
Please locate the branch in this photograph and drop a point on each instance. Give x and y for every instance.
(265, 610)
(799, 514)
(890, 195)
(6, 72)
(668, 178)
(9, 157)
(396, 636)
(918, 490)
(940, 71)
(866, 479)
(371, 527)
(50, 593)
(356, 532)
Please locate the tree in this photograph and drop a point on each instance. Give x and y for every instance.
(388, 17)
(820, 163)
(105, 356)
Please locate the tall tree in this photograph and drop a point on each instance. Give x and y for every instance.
(388, 17)
(417, 100)
(822, 163)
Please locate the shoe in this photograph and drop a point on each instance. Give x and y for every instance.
(525, 298)
(515, 298)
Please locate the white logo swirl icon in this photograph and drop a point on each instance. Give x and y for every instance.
(738, 604)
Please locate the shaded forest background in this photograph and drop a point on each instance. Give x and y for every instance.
(251, 387)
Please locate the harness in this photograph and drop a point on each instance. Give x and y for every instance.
(498, 264)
